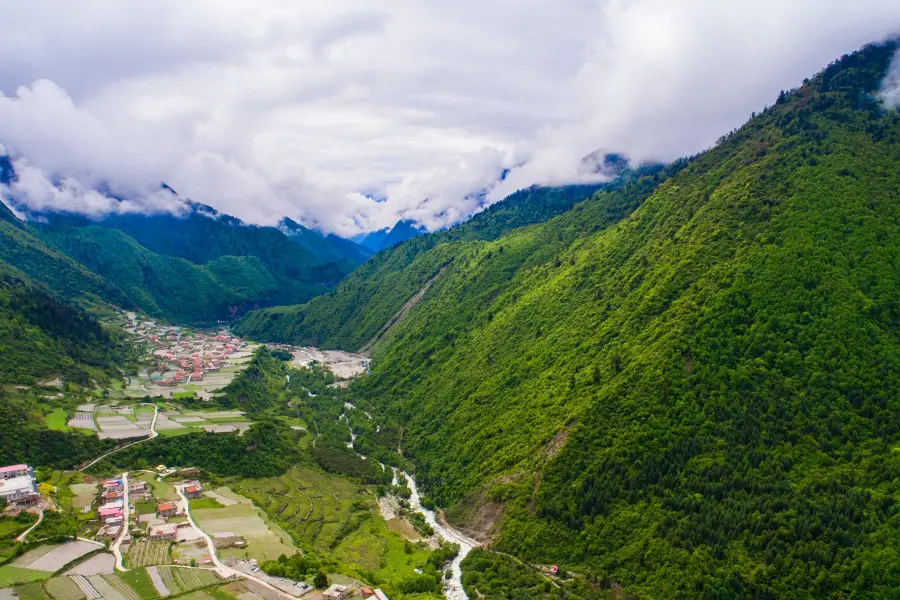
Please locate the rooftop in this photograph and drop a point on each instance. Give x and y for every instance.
(11, 468)
(165, 506)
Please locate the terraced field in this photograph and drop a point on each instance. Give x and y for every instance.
(144, 553)
(246, 521)
(111, 587)
(331, 515)
(64, 588)
(181, 579)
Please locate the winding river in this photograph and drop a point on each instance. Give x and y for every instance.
(453, 588)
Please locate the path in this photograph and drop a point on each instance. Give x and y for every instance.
(152, 435)
(222, 569)
(124, 532)
(25, 533)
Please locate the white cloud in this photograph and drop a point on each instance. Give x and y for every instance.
(890, 87)
(276, 108)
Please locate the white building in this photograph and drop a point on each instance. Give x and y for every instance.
(17, 485)
(336, 592)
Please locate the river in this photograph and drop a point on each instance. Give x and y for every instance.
(453, 588)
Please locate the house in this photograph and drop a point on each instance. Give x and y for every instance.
(192, 491)
(18, 486)
(379, 595)
(137, 487)
(166, 509)
(111, 532)
(107, 514)
(112, 484)
(112, 494)
(227, 539)
(336, 592)
(13, 471)
(366, 592)
(159, 533)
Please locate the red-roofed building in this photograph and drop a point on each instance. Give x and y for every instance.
(192, 491)
(166, 509)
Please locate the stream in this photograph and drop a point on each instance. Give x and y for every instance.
(453, 589)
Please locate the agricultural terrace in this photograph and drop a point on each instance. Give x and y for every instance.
(136, 584)
(173, 420)
(263, 542)
(143, 553)
(335, 517)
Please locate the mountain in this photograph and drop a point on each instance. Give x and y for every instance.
(401, 231)
(329, 247)
(375, 295)
(193, 267)
(685, 386)
(372, 240)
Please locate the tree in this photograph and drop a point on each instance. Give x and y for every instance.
(320, 580)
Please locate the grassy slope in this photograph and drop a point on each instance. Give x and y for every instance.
(719, 368)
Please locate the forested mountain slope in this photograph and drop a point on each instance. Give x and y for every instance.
(357, 310)
(699, 400)
(43, 338)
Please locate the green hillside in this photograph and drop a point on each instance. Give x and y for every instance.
(368, 298)
(42, 337)
(696, 398)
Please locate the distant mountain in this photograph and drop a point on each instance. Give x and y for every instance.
(403, 230)
(372, 240)
(328, 247)
(199, 266)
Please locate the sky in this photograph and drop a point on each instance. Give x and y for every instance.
(348, 115)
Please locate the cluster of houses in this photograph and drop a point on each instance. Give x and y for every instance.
(191, 355)
(112, 511)
(18, 487)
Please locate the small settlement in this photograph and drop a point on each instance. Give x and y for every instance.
(186, 358)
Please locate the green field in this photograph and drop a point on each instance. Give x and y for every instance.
(139, 581)
(200, 503)
(334, 516)
(262, 542)
(10, 575)
(57, 420)
(180, 579)
(32, 591)
(161, 489)
(145, 508)
(144, 553)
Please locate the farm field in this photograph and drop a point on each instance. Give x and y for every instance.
(139, 581)
(64, 588)
(181, 579)
(32, 591)
(57, 557)
(334, 516)
(144, 553)
(57, 419)
(101, 563)
(111, 587)
(246, 521)
(161, 489)
(11, 575)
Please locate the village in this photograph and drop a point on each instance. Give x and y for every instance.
(179, 360)
(150, 537)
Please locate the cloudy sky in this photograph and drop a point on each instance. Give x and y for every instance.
(349, 114)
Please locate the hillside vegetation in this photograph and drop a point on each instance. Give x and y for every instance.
(357, 310)
(688, 391)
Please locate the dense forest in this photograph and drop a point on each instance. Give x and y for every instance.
(684, 386)
(358, 309)
(42, 337)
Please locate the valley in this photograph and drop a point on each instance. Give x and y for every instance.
(676, 383)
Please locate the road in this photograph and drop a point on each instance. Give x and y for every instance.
(152, 435)
(222, 569)
(25, 533)
(116, 545)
